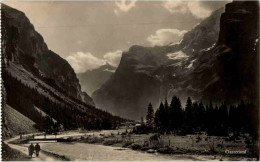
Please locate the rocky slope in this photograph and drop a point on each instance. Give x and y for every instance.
(37, 80)
(18, 123)
(232, 74)
(216, 60)
(25, 47)
(150, 74)
(91, 80)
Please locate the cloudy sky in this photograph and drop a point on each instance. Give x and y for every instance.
(88, 34)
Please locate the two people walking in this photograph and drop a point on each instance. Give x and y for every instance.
(33, 148)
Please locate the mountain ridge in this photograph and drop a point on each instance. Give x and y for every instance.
(27, 48)
(38, 80)
(202, 66)
(148, 72)
(91, 80)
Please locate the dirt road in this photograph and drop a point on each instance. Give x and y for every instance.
(43, 156)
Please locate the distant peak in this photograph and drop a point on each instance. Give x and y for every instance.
(107, 65)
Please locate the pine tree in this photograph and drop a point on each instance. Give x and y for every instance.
(188, 113)
(158, 119)
(166, 117)
(175, 113)
(150, 117)
(201, 116)
(223, 119)
(195, 115)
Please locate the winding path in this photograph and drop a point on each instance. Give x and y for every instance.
(43, 156)
(84, 151)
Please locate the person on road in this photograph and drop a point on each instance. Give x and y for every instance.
(31, 150)
(37, 149)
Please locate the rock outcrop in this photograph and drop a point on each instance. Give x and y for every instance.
(25, 47)
(40, 85)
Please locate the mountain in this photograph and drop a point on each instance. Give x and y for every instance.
(234, 68)
(149, 74)
(27, 49)
(38, 80)
(215, 61)
(91, 80)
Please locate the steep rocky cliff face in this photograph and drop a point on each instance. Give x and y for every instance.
(216, 61)
(235, 61)
(25, 48)
(91, 80)
(41, 87)
(151, 74)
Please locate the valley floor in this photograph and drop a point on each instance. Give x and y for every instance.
(15, 152)
(112, 145)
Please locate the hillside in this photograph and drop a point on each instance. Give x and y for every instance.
(34, 76)
(91, 80)
(18, 123)
(25, 47)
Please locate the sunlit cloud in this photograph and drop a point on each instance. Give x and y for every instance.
(124, 5)
(113, 58)
(116, 12)
(166, 36)
(193, 7)
(82, 62)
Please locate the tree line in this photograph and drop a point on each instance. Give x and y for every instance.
(24, 98)
(196, 117)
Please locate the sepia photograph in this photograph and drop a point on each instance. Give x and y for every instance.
(129, 80)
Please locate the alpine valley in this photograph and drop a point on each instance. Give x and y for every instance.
(39, 84)
(215, 61)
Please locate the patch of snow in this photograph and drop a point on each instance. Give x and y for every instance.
(242, 11)
(191, 64)
(177, 55)
(176, 64)
(175, 43)
(41, 73)
(112, 71)
(195, 26)
(207, 49)
(255, 43)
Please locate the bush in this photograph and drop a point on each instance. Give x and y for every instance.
(71, 139)
(136, 146)
(127, 143)
(143, 129)
(166, 150)
(145, 148)
(198, 139)
(92, 140)
(111, 142)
